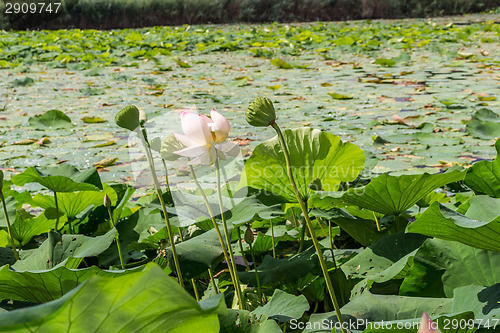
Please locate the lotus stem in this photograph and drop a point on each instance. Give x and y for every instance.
(149, 157)
(57, 210)
(169, 192)
(70, 226)
(117, 237)
(226, 234)
(272, 238)
(321, 227)
(241, 249)
(195, 290)
(213, 280)
(319, 252)
(376, 221)
(259, 289)
(229, 191)
(333, 257)
(397, 223)
(295, 222)
(217, 230)
(331, 238)
(302, 238)
(9, 229)
(180, 231)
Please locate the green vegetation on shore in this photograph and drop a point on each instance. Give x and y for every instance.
(109, 14)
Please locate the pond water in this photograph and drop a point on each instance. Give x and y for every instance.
(408, 110)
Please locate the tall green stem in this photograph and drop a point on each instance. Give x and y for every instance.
(259, 289)
(9, 229)
(196, 295)
(272, 239)
(226, 232)
(212, 280)
(331, 238)
(397, 223)
(337, 270)
(321, 260)
(302, 238)
(169, 192)
(321, 227)
(166, 175)
(295, 222)
(117, 237)
(217, 230)
(376, 221)
(228, 188)
(241, 249)
(163, 207)
(57, 210)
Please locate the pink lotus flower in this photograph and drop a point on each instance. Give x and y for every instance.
(427, 325)
(204, 137)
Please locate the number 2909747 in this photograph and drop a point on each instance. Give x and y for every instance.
(32, 7)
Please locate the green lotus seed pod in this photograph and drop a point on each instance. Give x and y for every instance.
(128, 118)
(261, 113)
(315, 184)
(248, 236)
(1, 180)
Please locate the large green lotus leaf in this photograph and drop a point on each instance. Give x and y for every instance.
(483, 208)
(47, 285)
(485, 124)
(375, 308)
(326, 200)
(395, 194)
(20, 197)
(242, 321)
(313, 153)
(73, 203)
(52, 119)
(262, 244)
(147, 301)
(440, 266)
(452, 323)
(63, 178)
(169, 145)
(445, 223)
(484, 176)
(26, 226)
(250, 209)
(4, 238)
(363, 231)
(126, 195)
(385, 260)
(483, 301)
(6, 256)
(56, 248)
(199, 253)
(283, 307)
(282, 270)
(469, 302)
(190, 209)
(11, 211)
(130, 230)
